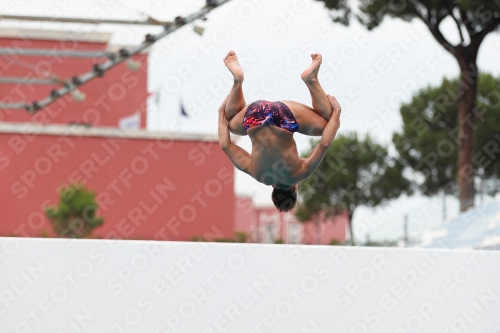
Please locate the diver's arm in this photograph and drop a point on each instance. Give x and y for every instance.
(319, 151)
(237, 155)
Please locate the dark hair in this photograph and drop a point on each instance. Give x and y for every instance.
(284, 200)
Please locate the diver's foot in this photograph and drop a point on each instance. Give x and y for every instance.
(231, 62)
(310, 75)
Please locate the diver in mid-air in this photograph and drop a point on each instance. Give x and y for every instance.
(274, 159)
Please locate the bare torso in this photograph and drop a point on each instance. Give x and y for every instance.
(274, 158)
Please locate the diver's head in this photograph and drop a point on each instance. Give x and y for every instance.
(284, 197)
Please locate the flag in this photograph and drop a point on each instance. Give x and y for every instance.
(183, 111)
(130, 122)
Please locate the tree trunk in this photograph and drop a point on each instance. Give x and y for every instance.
(466, 119)
(351, 213)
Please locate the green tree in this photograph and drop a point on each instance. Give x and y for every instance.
(75, 215)
(384, 243)
(474, 20)
(239, 237)
(353, 173)
(428, 142)
(336, 242)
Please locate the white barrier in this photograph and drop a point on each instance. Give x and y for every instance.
(59, 286)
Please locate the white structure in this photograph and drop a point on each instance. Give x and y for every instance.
(55, 285)
(478, 228)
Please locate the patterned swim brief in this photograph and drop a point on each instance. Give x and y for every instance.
(270, 113)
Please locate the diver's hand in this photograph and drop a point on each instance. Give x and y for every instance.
(336, 110)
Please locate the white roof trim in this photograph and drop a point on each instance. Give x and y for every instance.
(82, 36)
(107, 132)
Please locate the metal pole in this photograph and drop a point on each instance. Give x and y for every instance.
(444, 207)
(28, 81)
(148, 21)
(98, 70)
(481, 188)
(406, 230)
(51, 53)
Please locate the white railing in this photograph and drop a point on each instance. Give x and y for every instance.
(59, 286)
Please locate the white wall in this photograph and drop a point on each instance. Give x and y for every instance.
(53, 285)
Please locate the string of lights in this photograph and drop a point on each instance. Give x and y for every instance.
(99, 69)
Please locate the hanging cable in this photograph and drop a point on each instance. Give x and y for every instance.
(99, 69)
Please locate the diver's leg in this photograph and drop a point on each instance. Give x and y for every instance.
(320, 102)
(313, 120)
(310, 122)
(236, 100)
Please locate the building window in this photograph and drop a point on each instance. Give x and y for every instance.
(269, 233)
(293, 233)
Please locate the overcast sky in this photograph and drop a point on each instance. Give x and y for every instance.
(370, 73)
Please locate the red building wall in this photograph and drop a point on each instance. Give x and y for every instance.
(255, 221)
(147, 188)
(245, 218)
(119, 93)
(329, 229)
